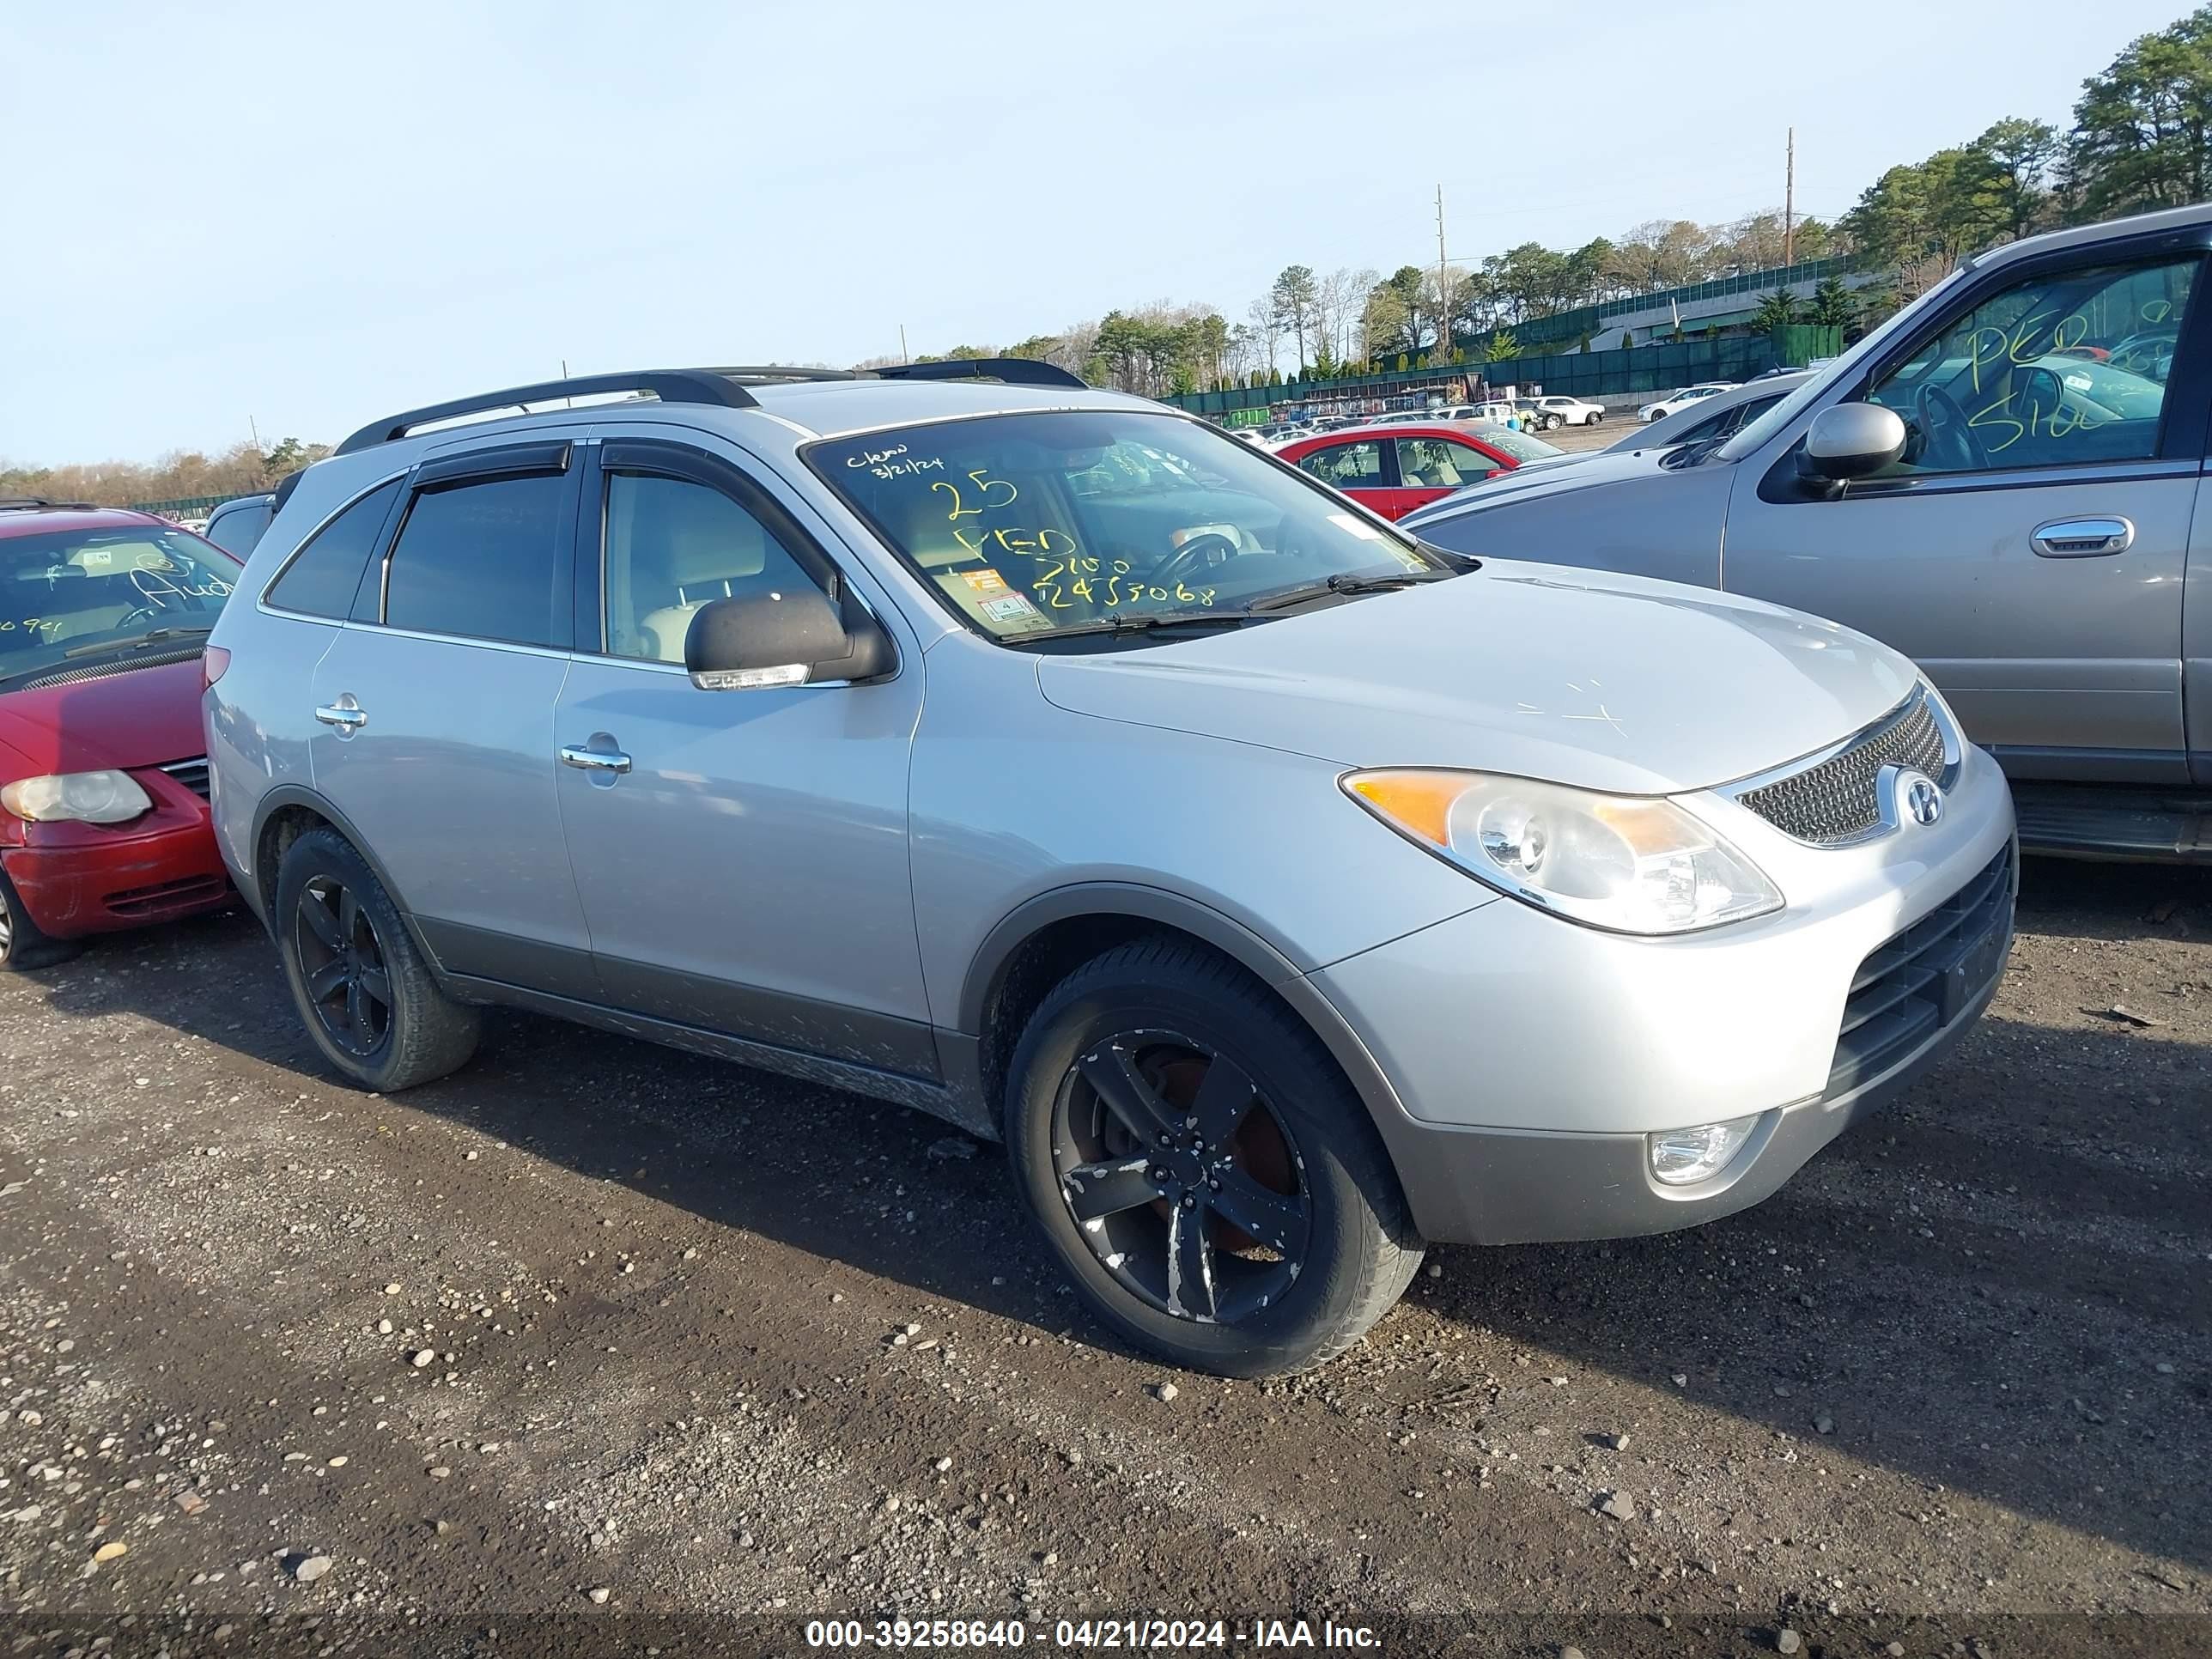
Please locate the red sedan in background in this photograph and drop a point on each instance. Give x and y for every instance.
(104, 822)
(1394, 469)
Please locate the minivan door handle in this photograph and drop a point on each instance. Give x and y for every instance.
(2082, 538)
(594, 760)
(347, 716)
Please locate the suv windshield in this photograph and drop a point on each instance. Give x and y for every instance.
(1028, 525)
(80, 593)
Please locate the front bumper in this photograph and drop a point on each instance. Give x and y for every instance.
(79, 879)
(1530, 1057)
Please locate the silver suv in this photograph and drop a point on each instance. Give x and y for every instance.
(1284, 892)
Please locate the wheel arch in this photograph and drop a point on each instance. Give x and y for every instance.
(1043, 940)
(281, 817)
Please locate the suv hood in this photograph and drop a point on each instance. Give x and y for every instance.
(1591, 469)
(136, 717)
(1577, 676)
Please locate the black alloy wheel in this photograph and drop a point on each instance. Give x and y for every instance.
(342, 963)
(1186, 1185)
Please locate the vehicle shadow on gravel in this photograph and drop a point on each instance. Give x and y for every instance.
(1978, 1289)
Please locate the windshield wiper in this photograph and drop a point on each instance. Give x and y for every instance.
(138, 642)
(1344, 582)
(1118, 623)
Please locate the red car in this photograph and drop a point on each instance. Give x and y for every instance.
(1397, 468)
(103, 772)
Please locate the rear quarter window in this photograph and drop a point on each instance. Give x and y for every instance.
(322, 577)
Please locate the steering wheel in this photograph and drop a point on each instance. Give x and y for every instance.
(144, 613)
(1944, 427)
(1190, 556)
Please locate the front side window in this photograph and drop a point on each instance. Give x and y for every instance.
(673, 545)
(481, 560)
(1347, 466)
(322, 577)
(79, 595)
(1003, 518)
(2066, 367)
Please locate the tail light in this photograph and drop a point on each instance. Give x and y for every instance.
(213, 661)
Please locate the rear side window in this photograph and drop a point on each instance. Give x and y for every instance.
(481, 560)
(1347, 466)
(322, 577)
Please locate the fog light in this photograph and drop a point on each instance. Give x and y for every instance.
(1680, 1157)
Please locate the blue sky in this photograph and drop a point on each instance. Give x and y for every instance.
(308, 216)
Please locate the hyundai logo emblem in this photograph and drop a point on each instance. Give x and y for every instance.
(1918, 799)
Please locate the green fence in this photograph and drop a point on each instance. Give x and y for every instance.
(1589, 320)
(191, 506)
(1573, 374)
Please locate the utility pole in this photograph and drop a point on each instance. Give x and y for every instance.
(903, 357)
(1443, 289)
(1789, 201)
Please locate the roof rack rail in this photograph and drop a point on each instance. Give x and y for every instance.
(725, 387)
(1010, 371)
(27, 503)
(671, 385)
(758, 372)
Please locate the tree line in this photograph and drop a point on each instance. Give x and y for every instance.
(181, 475)
(2140, 139)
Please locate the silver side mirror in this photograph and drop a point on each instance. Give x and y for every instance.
(1851, 441)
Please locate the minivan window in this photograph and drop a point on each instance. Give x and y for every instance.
(674, 546)
(481, 560)
(996, 514)
(2026, 376)
(323, 576)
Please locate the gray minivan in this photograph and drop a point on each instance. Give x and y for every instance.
(1283, 892)
(2003, 481)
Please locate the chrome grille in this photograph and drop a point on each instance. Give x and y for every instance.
(1838, 798)
(192, 774)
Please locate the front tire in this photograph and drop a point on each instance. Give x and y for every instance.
(367, 996)
(1201, 1168)
(23, 943)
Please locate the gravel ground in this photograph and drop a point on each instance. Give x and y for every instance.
(597, 1348)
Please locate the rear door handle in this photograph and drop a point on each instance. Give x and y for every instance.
(2082, 538)
(343, 715)
(594, 760)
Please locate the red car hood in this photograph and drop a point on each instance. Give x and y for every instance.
(143, 717)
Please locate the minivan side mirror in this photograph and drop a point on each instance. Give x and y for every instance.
(1851, 440)
(792, 636)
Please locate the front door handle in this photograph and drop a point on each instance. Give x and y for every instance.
(346, 716)
(594, 760)
(2082, 538)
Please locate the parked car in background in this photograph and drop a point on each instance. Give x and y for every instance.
(1720, 416)
(2025, 521)
(236, 525)
(1048, 726)
(1533, 417)
(1659, 408)
(1394, 469)
(104, 823)
(1570, 411)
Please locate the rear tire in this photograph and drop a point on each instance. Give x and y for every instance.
(367, 996)
(1594, 417)
(23, 943)
(1266, 1231)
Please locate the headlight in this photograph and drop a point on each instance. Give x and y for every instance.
(1633, 864)
(85, 797)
